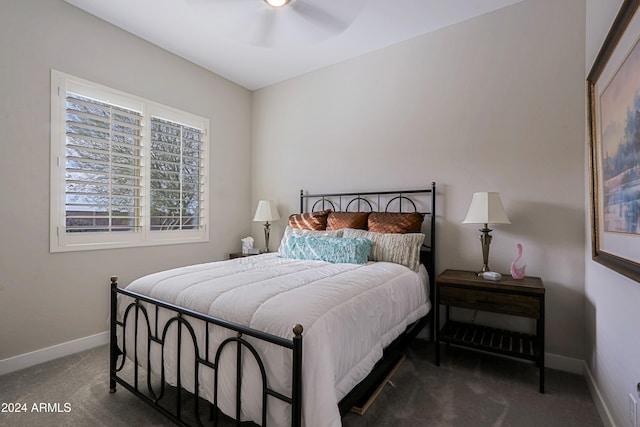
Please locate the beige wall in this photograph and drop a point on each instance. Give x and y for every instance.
(492, 104)
(612, 301)
(47, 299)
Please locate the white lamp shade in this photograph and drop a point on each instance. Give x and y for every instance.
(486, 208)
(266, 211)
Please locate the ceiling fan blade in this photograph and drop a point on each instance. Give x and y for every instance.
(262, 31)
(320, 17)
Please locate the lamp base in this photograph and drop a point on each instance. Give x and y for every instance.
(266, 236)
(485, 240)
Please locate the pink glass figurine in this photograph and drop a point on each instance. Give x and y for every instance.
(517, 272)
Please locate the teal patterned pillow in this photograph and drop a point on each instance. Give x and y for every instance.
(330, 249)
(288, 231)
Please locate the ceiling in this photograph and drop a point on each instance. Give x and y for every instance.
(254, 45)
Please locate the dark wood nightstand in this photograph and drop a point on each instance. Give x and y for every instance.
(523, 298)
(239, 255)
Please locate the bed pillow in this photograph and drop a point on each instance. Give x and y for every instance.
(288, 231)
(394, 222)
(339, 220)
(310, 221)
(329, 249)
(403, 249)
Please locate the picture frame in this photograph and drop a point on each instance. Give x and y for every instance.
(613, 114)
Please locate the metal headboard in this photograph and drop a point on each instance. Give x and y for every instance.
(336, 201)
(381, 201)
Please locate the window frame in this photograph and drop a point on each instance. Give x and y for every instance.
(62, 241)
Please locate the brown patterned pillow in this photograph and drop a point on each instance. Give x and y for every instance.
(310, 220)
(394, 222)
(340, 220)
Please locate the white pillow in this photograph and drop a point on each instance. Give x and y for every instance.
(403, 249)
(300, 232)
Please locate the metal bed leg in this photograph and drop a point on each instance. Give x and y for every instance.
(113, 345)
(296, 410)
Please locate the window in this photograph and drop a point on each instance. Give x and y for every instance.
(124, 171)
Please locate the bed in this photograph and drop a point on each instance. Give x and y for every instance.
(224, 340)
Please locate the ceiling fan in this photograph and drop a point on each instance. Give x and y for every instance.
(268, 23)
(277, 3)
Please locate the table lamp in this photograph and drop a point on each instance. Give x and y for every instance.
(486, 208)
(266, 212)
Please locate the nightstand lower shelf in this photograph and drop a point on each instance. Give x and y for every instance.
(507, 296)
(509, 343)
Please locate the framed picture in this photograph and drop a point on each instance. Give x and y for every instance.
(613, 94)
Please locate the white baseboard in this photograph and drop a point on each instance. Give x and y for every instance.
(44, 355)
(601, 405)
(563, 363)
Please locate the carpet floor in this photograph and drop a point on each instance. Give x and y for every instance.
(469, 389)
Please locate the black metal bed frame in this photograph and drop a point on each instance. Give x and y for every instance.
(156, 334)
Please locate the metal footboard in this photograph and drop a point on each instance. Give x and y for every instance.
(172, 406)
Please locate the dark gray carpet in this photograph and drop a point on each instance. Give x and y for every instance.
(468, 389)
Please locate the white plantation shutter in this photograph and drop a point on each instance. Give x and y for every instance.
(124, 171)
(102, 167)
(177, 176)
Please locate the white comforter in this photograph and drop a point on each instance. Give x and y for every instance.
(349, 313)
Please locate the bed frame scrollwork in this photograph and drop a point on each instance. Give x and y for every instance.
(182, 317)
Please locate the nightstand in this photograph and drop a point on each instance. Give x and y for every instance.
(524, 298)
(240, 255)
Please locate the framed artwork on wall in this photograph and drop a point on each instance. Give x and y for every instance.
(613, 96)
